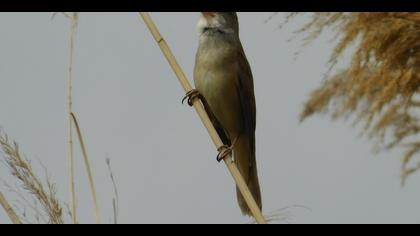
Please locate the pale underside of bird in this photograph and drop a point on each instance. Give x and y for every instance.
(223, 77)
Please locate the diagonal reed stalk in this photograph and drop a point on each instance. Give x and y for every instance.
(88, 169)
(9, 210)
(240, 182)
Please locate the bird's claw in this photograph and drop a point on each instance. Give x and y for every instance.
(224, 151)
(190, 96)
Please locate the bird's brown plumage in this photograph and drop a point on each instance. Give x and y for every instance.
(223, 76)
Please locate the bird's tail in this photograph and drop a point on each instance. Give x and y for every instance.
(244, 154)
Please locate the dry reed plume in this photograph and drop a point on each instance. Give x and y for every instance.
(381, 84)
(43, 194)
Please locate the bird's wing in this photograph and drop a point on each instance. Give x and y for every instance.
(245, 87)
(219, 128)
(244, 149)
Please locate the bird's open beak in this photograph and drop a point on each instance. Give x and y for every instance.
(209, 14)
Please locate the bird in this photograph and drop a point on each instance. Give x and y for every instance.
(223, 78)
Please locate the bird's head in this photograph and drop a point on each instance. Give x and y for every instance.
(221, 22)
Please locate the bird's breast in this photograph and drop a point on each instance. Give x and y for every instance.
(215, 78)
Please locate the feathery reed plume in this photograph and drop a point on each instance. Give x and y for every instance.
(381, 84)
(240, 182)
(284, 214)
(21, 168)
(9, 210)
(88, 168)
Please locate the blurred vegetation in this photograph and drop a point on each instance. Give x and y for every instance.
(37, 200)
(381, 84)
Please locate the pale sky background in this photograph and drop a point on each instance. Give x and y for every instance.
(128, 103)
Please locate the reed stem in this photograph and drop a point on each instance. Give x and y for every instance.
(74, 19)
(10, 212)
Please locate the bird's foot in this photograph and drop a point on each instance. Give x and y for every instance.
(225, 150)
(191, 96)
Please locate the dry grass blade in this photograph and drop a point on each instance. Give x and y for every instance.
(115, 200)
(22, 170)
(88, 168)
(9, 210)
(239, 180)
